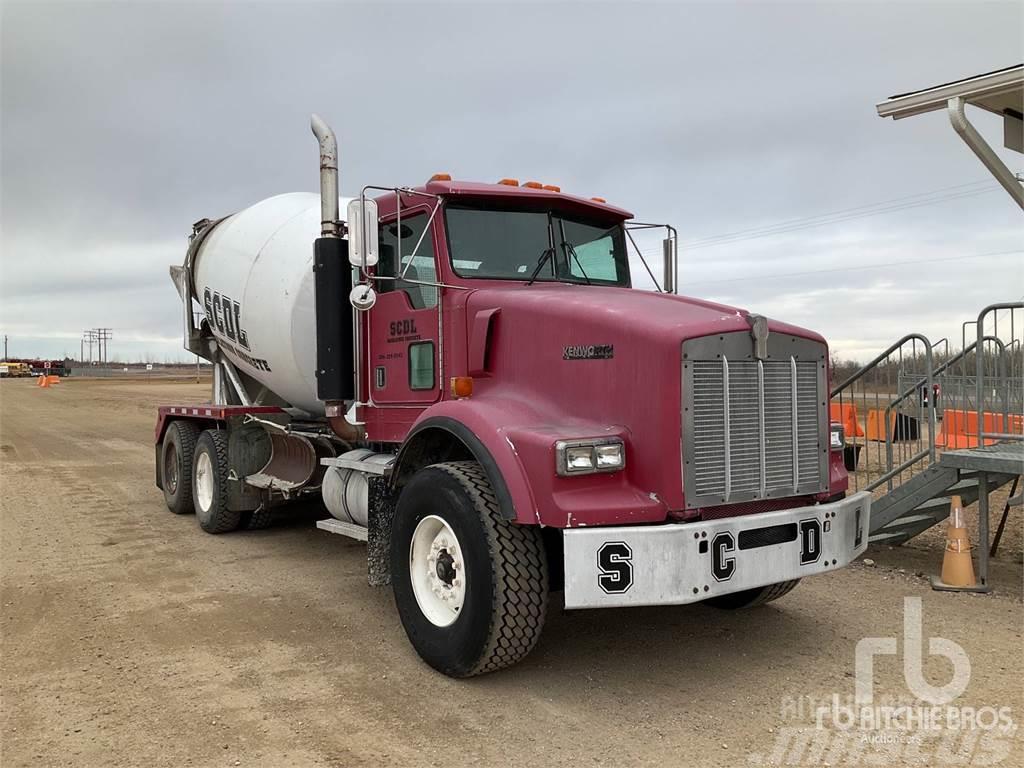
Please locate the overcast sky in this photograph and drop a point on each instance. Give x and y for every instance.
(123, 123)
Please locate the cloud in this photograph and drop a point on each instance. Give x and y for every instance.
(122, 123)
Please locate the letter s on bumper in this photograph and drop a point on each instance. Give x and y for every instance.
(689, 562)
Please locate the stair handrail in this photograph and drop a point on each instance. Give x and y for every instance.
(979, 368)
(891, 472)
(892, 348)
(956, 358)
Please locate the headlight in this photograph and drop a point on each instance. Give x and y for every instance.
(838, 439)
(584, 457)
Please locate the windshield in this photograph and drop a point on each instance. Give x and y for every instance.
(542, 245)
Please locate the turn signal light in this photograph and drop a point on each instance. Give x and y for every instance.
(599, 200)
(534, 185)
(441, 177)
(462, 386)
(510, 182)
(552, 188)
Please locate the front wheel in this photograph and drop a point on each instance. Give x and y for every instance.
(750, 598)
(471, 588)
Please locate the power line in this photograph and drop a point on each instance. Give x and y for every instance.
(980, 187)
(854, 269)
(822, 220)
(778, 230)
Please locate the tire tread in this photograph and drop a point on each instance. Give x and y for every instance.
(751, 598)
(186, 435)
(520, 570)
(222, 519)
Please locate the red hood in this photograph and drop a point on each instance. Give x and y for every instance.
(582, 310)
(572, 361)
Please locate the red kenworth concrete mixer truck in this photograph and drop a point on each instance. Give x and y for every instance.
(467, 378)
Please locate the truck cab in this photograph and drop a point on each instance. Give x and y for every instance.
(510, 310)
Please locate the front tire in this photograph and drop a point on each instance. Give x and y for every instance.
(210, 483)
(176, 456)
(751, 598)
(471, 588)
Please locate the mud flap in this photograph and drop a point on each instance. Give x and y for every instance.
(380, 516)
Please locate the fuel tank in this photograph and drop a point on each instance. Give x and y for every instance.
(253, 275)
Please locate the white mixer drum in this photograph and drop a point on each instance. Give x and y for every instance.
(254, 277)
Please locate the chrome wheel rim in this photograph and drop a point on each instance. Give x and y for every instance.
(437, 571)
(204, 481)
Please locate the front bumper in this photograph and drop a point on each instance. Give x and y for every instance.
(689, 562)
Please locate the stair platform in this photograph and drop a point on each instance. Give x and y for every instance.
(1005, 458)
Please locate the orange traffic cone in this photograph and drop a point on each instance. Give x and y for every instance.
(957, 568)
(43, 382)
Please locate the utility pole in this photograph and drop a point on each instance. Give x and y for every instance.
(103, 336)
(5, 346)
(89, 336)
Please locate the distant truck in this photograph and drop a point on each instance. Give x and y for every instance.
(466, 377)
(47, 367)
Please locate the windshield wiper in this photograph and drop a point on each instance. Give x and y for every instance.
(569, 249)
(546, 254)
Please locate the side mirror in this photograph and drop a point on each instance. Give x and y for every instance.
(362, 233)
(668, 252)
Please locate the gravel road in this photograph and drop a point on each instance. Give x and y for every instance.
(132, 638)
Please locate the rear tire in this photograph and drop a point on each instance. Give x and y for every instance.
(256, 520)
(471, 588)
(751, 598)
(210, 483)
(176, 455)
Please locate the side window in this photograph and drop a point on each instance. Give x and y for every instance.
(421, 365)
(397, 249)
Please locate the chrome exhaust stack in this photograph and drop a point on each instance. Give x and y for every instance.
(329, 218)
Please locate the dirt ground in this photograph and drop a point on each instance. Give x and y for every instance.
(129, 637)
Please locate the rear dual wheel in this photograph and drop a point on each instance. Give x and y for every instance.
(176, 459)
(194, 477)
(210, 483)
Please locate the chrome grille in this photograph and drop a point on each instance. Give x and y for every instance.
(754, 429)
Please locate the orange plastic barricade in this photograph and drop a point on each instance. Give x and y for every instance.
(876, 423)
(846, 414)
(960, 428)
(901, 426)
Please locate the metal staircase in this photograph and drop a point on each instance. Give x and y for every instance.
(923, 501)
(894, 444)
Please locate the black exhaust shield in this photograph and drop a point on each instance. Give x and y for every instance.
(332, 276)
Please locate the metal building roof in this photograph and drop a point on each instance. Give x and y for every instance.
(1000, 92)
